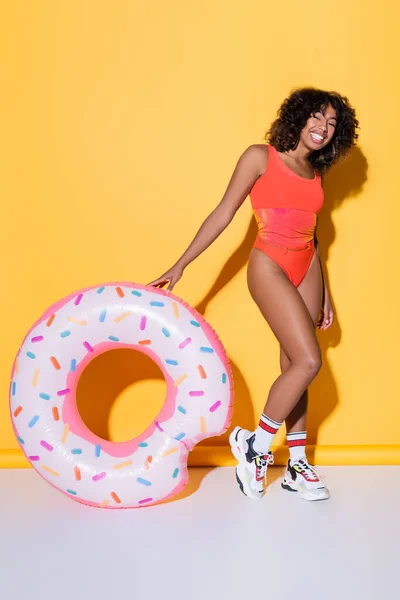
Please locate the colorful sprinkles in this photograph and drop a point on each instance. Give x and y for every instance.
(143, 481)
(50, 321)
(35, 377)
(47, 446)
(63, 392)
(123, 465)
(125, 315)
(176, 310)
(77, 321)
(33, 422)
(181, 379)
(55, 363)
(185, 343)
(55, 473)
(168, 452)
(202, 372)
(115, 497)
(65, 433)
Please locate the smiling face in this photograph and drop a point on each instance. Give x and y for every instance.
(319, 129)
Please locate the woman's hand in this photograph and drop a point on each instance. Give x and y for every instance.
(172, 276)
(326, 316)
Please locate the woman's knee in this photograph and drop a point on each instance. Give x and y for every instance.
(308, 362)
(312, 363)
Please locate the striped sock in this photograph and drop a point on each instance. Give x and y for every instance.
(265, 433)
(297, 444)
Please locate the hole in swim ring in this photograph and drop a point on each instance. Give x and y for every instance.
(120, 393)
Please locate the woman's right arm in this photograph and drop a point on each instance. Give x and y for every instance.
(246, 172)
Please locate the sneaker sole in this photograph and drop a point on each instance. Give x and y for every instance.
(291, 486)
(240, 483)
(287, 487)
(233, 443)
(241, 475)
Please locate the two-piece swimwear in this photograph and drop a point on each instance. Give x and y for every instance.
(285, 206)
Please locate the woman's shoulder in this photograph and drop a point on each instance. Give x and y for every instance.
(258, 155)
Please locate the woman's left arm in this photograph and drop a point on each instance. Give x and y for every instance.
(326, 317)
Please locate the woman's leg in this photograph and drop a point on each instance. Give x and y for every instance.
(297, 418)
(310, 289)
(282, 305)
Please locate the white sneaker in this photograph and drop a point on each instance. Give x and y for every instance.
(251, 471)
(303, 478)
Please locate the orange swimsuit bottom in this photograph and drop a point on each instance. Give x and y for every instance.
(285, 206)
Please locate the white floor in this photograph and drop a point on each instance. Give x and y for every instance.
(210, 543)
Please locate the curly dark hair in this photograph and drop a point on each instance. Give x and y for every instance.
(296, 109)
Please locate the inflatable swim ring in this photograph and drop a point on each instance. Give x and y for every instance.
(52, 357)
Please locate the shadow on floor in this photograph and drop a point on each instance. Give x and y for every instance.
(196, 476)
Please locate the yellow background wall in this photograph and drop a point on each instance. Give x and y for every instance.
(121, 126)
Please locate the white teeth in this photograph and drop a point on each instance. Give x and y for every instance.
(316, 135)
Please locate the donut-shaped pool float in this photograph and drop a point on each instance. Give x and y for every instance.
(153, 466)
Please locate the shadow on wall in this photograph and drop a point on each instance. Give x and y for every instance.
(342, 183)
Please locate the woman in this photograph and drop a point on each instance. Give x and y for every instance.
(283, 178)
